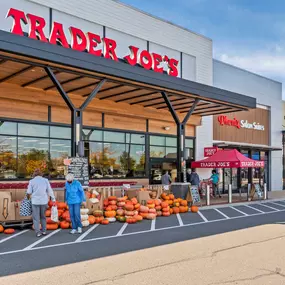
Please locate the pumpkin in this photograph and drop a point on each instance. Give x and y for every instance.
(176, 204)
(9, 231)
(165, 209)
(152, 211)
(50, 203)
(98, 220)
(121, 199)
(129, 207)
(129, 213)
(138, 218)
(144, 209)
(114, 207)
(157, 202)
(137, 205)
(163, 195)
(175, 210)
(109, 208)
(64, 225)
(84, 217)
(121, 204)
(134, 201)
(106, 202)
(60, 212)
(151, 216)
(61, 205)
(91, 220)
(164, 204)
(112, 198)
(52, 227)
(194, 209)
(50, 221)
(121, 219)
(183, 203)
(111, 220)
(112, 202)
(170, 202)
(84, 211)
(158, 208)
(1, 229)
(105, 222)
(144, 215)
(120, 212)
(171, 211)
(183, 209)
(48, 213)
(165, 214)
(66, 215)
(131, 220)
(171, 197)
(110, 214)
(166, 197)
(150, 202)
(158, 213)
(85, 223)
(151, 206)
(97, 213)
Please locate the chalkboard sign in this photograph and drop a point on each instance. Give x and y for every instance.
(78, 166)
(195, 196)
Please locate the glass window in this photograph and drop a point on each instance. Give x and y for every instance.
(114, 137)
(116, 163)
(171, 152)
(32, 154)
(97, 160)
(8, 157)
(157, 151)
(171, 141)
(33, 130)
(92, 135)
(156, 140)
(60, 133)
(8, 128)
(189, 143)
(137, 159)
(135, 138)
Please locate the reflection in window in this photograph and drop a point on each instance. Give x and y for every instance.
(8, 162)
(60, 132)
(157, 140)
(157, 151)
(171, 152)
(8, 128)
(93, 135)
(33, 130)
(114, 137)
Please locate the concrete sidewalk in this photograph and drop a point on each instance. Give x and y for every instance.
(251, 256)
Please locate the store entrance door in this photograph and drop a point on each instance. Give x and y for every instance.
(157, 168)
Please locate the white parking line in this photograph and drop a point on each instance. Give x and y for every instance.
(152, 228)
(87, 233)
(238, 210)
(133, 233)
(179, 220)
(257, 210)
(41, 239)
(278, 204)
(120, 232)
(269, 207)
(13, 236)
(202, 216)
(224, 215)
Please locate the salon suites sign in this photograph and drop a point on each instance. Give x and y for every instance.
(86, 41)
(225, 121)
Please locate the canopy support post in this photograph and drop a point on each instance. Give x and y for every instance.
(180, 127)
(76, 113)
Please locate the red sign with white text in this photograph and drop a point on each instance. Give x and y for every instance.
(82, 41)
(209, 151)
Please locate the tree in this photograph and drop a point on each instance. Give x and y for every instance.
(127, 162)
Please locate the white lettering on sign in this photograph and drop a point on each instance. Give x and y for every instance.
(256, 126)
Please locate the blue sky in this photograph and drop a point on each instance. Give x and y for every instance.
(246, 33)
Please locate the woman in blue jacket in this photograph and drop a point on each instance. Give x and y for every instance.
(74, 197)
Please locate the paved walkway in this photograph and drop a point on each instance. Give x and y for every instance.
(252, 256)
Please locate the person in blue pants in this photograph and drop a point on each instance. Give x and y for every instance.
(74, 197)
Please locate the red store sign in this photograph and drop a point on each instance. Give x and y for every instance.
(224, 120)
(209, 151)
(89, 42)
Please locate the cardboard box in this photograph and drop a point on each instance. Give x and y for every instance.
(143, 197)
(7, 208)
(132, 193)
(93, 206)
(59, 195)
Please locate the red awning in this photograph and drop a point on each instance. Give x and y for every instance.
(227, 159)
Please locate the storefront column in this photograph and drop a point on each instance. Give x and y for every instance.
(76, 113)
(181, 163)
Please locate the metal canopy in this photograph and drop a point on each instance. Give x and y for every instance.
(23, 60)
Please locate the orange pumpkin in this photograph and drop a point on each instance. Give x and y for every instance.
(170, 202)
(163, 195)
(121, 204)
(112, 198)
(60, 212)
(194, 209)
(131, 220)
(129, 207)
(143, 214)
(97, 213)
(151, 206)
(112, 202)
(98, 220)
(1, 229)
(48, 213)
(175, 210)
(137, 205)
(61, 205)
(164, 204)
(158, 208)
(176, 204)
(150, 202)
(159, 213)
(9, 231)
(129, 213)
(171, 211)
(152, 211)
(183, 209)
(157, 202)
(184, 203)
(134, 201)
(114, 207)
(171, 197)
(52, 227)
(166, 209)
(120, 212)
(144, 209)
(64, 225)
(50, 203)
(166, 214)
(138, 218)
(105, 222)
(109, 208)
(49, 221)
(110, 214)
(91, 220)
(65, 215)
(106, 202)
(151, 216)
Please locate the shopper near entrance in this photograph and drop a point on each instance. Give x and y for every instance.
(194, 178)
(39, 190)
(165, 178)
(215, 180)
(74, 197)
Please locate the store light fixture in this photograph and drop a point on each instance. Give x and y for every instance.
(167, 128)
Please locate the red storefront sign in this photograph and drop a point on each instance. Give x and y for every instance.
(209, 151)
(224, 120)
(88, 42)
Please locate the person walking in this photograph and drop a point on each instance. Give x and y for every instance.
(39, 191)
(194, 178)
(74, 197)
(215, 180)
(165, 178)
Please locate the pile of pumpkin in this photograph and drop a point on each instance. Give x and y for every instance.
(6, 231)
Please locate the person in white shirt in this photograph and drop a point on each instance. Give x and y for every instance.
(39, 190)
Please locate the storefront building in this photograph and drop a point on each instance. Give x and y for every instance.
(102, 80)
